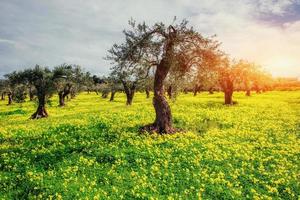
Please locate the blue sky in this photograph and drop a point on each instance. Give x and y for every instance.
(80, 32)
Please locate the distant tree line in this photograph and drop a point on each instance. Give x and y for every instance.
(163, 59)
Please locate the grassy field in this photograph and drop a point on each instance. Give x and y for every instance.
(91, 149)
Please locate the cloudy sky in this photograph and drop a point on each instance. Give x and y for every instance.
(52, 32)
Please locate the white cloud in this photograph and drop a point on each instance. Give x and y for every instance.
(7, 41)
(75, 31)
(278, 7)
(276, 48)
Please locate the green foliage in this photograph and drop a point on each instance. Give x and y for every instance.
(92, 149)
(19, 94)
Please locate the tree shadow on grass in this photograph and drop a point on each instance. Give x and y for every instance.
(13, 112)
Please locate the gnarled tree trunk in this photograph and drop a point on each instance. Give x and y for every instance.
(129, 91)
(196, 89)
(104, 95)
(112, 95)
(63, 94)
(61, 99)
(41, 109)
(147, 93)
(169, 91)
(228, 91)
(185, 90)
(31, 94)
(9, 94)
(129, 97)
(228, 97)
(163, 119)
(73, 94)
(248, 93)
(195, 93)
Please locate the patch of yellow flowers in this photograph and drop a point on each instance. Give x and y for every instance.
(91, 149)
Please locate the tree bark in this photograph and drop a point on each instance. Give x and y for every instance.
(31, 95)
(112, 95)
(248, 93)
(228, 97)
(104, 95)
(185, 90)
(129, 98)
(163, 119)
(228, 91)
(129, 91)
(61, 98)
(195, 92)
(196, 89)
(3, 96)
(169, 91)
(63, 94)
(41, 109)
(147, 93)
(9, 94)
(73, 95)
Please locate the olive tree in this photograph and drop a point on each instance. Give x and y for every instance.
(204, 80)
(131, 76)
(98, 83)
(262, 82)
(230, 76)
(174, 83)
(3, 88)
(13, 81)
(175, 46)
(114, 85)
(43, 80)
(147, 84)
(68, 80)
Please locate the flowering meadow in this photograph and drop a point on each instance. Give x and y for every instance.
(92, 149)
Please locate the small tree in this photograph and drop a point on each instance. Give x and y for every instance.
(165, 47)
(78, 80)
(19, 93)
(31, 92)
(3, 88)
(229, 76)
(115, 86)
(88, 82)
(131, 77)
(248, 72)
(13, 80)
(43, 81)
(105, 89)
(64, 81)
(173, 83)
(98, 83)
(262, 82)
(147, 84)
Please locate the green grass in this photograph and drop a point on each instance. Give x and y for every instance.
(91, 149)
